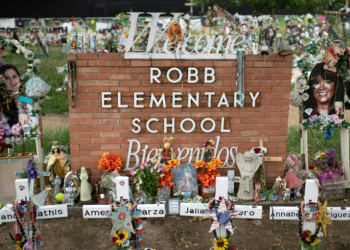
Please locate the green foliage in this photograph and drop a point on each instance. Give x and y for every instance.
(57, 102)
(59, 134)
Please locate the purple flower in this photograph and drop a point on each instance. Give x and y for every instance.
(32, 172)
(313, 119)
(30, 163)
(8, 131)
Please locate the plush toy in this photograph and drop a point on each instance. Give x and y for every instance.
(175, 33)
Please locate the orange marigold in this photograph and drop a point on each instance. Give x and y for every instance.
(109, 163)
(174, 163)
(199, 164)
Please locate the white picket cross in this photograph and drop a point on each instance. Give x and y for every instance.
(122, 187)
(311, 194)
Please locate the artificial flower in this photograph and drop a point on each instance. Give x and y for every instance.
(36, 63)
(174, 163)
(295, 99)
(121, 235)
(217, 162)
(199, 164)
(305, 96)
(114, 239)
(305, 234)
(221, 244)
(32, 172)
(18, 237)
(132, 172)
(29, 55)
(18, 246)
(336, 119)
(316, 242)
(321, 19)
(125, 243)
(109, 163)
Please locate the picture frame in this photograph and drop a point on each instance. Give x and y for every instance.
(185, 179)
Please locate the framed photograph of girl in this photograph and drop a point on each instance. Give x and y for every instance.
(326, 95)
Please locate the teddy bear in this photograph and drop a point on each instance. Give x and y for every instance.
(175, 33)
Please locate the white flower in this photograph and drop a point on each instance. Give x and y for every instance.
(325, 34)
(125, 243)
(259, 18)
(302, 81)
(299, 87)
(29, 55)
(295, 99)
(305, 96)
(36, 63)
(306, 87)
(187, 16)
(18, 51)
(309, 16)
(286, 18)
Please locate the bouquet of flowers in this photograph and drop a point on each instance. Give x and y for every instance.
(147, 176)
(208, 176)
(166, 179)
(109, 163)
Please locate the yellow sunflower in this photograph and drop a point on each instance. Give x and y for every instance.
(316, 242)
(221, 244)
(121, 15)
(121, 235)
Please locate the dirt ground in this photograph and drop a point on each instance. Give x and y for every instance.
(179, 233)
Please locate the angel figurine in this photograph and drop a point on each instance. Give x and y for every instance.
(166, 153)
(247, 164)
(54, 165)
(207, 150)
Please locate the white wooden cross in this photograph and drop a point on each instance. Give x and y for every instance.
(311, 194)
(7, 213)
(122, 187)
(200, 209)
(31, 183)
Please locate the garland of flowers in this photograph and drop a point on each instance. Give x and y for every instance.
(325, 123)
(208, 176)
(109, 163)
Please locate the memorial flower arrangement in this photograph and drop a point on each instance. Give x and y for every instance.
(147, 176)
(109, 163)
(31, 171)
(208, 175)
(309, 241)
(166, 179)
(120, 239)
(325, 123)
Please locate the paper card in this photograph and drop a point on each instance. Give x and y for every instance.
(174, 206)
(25, 99)
(22, 189)
(221, 188)
(122, 185)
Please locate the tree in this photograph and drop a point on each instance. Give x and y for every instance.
(258, 6)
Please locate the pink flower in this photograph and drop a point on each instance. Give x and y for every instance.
(336, 119)
(16, 129)
(329, 59)
(132, 172)
(321, 19)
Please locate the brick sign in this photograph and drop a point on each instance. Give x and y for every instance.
(117, 108)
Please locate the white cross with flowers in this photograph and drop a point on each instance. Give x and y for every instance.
(310, 199)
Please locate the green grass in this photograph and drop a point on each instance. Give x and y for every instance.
(59, 134)
(58, 102)
(316, 142)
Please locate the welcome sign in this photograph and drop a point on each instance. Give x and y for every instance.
(128, 106)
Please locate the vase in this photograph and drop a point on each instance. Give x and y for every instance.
(207, 193)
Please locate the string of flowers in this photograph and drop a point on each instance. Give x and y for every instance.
(327, 123)
(208, 176)
(109, 163)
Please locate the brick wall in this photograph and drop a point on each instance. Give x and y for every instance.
(94, 130)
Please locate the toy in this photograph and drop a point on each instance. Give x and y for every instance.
(175, 33)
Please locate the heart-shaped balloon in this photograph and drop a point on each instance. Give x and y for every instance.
(224, 217)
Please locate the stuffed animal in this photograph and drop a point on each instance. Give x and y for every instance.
(175, 33)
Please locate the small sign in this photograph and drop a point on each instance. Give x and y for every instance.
(95, 211)
(174, 206)
(151, 210)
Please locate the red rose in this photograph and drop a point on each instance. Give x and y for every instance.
(114, 239)
(257, 150)
(311, 167)
(305, 234)
(233, 248)
(18, 237)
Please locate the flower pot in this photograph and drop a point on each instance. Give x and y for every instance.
(207, 193)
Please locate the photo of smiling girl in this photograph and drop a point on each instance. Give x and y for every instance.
(327, 95)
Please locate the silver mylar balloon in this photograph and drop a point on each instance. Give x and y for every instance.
(18, 140)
